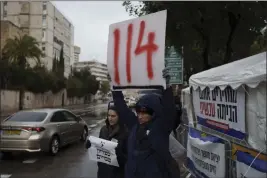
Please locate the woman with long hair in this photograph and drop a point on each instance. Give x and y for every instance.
(115, 131)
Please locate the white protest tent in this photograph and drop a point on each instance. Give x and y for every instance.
(249, 73)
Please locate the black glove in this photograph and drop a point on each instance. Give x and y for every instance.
(87, 144)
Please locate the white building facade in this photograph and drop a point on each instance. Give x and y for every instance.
(99, 70)
(77, 52)
(44, 22)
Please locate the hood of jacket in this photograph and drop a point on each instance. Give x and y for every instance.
(152, 101)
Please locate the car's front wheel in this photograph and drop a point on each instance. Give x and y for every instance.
(54, 146)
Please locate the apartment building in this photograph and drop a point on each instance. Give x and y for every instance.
(99, 70)
(8, 30)
(43, 21)
(77, 52)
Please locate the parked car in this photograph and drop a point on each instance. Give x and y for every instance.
(45, 130)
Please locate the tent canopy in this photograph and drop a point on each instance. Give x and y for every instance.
(249, 71)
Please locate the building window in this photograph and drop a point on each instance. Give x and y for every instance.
(44, 20)
(59, 42)
(43, 48)
(5, 7)
(56, 53)
(44, 5)
(5, 13)
(43, 35)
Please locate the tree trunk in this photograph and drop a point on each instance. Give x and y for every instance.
(233, 22)
(205, 55)
(21, 99)
(206, 40)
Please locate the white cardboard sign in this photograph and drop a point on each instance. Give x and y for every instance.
(136, 50)
(103, 151)
(207, 158)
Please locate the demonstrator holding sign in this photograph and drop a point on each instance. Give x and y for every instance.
(148, 142)
(114, 131)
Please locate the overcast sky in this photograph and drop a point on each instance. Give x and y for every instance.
(91, 20)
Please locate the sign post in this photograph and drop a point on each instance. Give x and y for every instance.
(174, 62)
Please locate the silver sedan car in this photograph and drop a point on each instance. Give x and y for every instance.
(44, 130)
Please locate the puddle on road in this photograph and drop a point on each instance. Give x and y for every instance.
(29, 161)
(5, 175)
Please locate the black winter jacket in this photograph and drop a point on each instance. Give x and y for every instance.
(120, 134)
(148, 144)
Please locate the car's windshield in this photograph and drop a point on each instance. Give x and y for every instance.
(28, 117)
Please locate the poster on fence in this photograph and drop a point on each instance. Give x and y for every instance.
(205, 155)
(221, 110)
(103, 151)
(245, 169)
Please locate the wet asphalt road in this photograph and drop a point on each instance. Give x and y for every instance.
(71, 162)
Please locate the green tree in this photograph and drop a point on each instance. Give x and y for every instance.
(93, 86)
(260, 44)
(61, 64)
(74, 87)
(22, 48)
(54, 65)
(5, 72)
(104, 87)
(40, 75)
(82, 83)
(211, 33)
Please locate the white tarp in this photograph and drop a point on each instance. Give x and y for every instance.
(103, 151)
(249, 71)
(187, 107)
(256, 117)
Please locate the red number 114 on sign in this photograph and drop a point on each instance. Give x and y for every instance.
(149, 48)
(134, 43)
